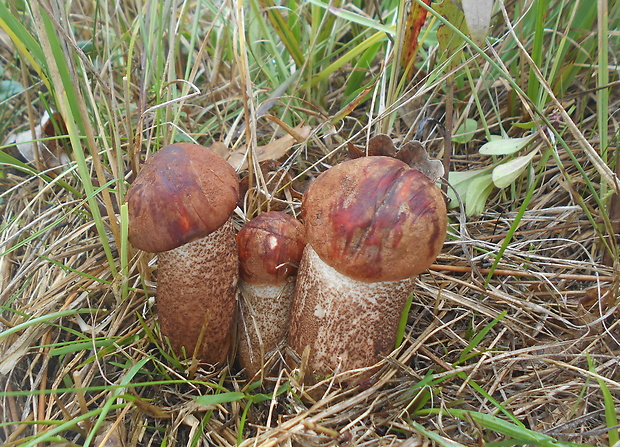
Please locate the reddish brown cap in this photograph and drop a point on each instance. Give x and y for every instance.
(270, 247)
(375, 219)
(183, 192)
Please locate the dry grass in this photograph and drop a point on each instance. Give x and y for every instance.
(539, 346)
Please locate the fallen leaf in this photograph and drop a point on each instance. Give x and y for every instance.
(415, 21)
(478, 18)
(379, 145)
(111, 436)
(592, 297)
(276, 192)
(414, 154)
(44, 147)
(271, 151)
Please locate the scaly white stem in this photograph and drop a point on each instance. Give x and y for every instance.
(196, 286)
(348, 324)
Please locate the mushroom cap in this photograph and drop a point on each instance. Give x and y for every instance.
(270, 247)
(183, 192)
(375, 219)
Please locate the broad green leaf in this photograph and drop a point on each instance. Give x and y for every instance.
(466, 131)
(477, 194)
(504, 146)
(460, 181)
(222, 398)
(506, 173)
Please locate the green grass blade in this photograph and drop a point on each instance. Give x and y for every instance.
(281, 27)
(479, 337)
(402, 324)
(69, 101)
(611, 417)
(26, 45)
(354, 18)
(520, 434)
(435, 437)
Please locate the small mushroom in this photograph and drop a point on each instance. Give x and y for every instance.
(270, 247)
(372, 224)
(180, 206)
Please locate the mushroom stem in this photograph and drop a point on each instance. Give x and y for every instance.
(187, 301)
(344, 334)
(263, 324)
(270, 247)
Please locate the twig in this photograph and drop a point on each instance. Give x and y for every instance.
(567, 276)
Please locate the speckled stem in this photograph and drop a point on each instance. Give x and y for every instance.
(348, 324)
(196, 286)
(265, 313)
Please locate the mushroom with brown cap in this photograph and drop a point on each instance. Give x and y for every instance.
(180, 206)
(372, 224)
(270, 247)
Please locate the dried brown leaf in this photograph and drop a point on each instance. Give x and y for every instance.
(44, 148)
(271, 151)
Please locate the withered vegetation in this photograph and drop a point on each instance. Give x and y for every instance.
(532, 340)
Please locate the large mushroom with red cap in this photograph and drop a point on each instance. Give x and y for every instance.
(180, 206)
(372, 224)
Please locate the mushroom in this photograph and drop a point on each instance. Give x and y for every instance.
(180, 206)
(270, 247)
(372, 224)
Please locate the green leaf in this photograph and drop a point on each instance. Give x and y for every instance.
(460, 181)
(82, 346)
(478, 338)
(477, 194)
(466, 131)
(402, 325)
(506, 173)
(504, 146)
(24, 42)
(221, 398)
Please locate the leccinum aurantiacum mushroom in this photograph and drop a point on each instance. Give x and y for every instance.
(180, 206)
(270, 247)
(372, 224)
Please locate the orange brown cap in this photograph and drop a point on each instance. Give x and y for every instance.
(183, 192)
(375, 219)
(270, 247)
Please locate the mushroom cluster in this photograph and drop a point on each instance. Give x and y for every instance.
(370, 225)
